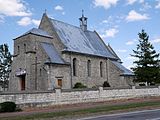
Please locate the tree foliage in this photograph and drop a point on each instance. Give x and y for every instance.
(5, 65)
(147, 67)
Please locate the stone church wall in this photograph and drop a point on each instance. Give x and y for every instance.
(115, 77)
(94, 80)
(61, 72)
(110, 72)
(31, 59)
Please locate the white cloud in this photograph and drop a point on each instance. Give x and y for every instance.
(158, 5)
(130, 43)
(141, 1)
(58, 7)
(122, 50)
(36, 22)
(131, 58)
(25, 21)
(13, 8)
(156, 40)
(110, 33)
(135, 16)
(1, 18)
(105, 3)
(113, 21)
(109, 20)
(105, 21)
(63, 13)
(131, 2)
(145, 6)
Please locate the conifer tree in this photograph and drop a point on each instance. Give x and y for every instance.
(5, 65)
(147, 67)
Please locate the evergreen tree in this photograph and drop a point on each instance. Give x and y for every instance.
(5, 65)
(147, 67)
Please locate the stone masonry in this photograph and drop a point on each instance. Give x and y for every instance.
(42, 61)
(58, 96)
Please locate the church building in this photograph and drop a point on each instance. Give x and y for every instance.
(57, 54)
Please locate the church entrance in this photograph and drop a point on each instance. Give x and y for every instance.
(22, 82)
(21, 74)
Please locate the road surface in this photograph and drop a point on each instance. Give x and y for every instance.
(138, 115)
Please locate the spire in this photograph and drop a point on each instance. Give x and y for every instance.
(45, 11)
(83, 22)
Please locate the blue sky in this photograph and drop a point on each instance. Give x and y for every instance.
(117, 21)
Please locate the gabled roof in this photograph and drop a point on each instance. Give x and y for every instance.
(38, 32)
(126, 72)
(76, 40)
(113, 53)
(53, 55)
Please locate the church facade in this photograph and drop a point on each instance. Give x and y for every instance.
(58, 54)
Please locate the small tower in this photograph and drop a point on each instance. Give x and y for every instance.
(83, 22)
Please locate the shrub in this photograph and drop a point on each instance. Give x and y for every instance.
(106, 84)
(7, 107)
(142, 84)
(79, 85)
(152, 84)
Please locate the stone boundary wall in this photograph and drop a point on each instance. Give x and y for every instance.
(58, 96)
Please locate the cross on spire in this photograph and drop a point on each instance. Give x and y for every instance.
(83, 21)
(45, 11)
(82, 13)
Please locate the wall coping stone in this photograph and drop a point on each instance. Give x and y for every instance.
(26, 92)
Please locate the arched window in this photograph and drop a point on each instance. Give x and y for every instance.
(89, 68)
(18, 50)
(24, 48)
(101, 69)
(74, 67)
(40, 72)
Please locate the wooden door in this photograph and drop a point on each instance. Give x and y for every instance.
(60, 82)
(22, 82)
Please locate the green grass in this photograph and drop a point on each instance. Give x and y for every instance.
(99, 109)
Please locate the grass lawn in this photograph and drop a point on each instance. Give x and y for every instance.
(85, 111)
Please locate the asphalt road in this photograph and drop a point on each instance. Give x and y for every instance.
(138, 115)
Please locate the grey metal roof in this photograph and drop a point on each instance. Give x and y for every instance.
(38, 32)
(52, 53)
(121, 67)
(113, 52)
(76, 40)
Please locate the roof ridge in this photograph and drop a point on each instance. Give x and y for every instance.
(68, 24)
(77, 40)
(112, 51)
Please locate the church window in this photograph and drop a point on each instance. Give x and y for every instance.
(89, 68)
(24, 47)
(40, 72)
(18, 50)
(74, 67)
(101, 69)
